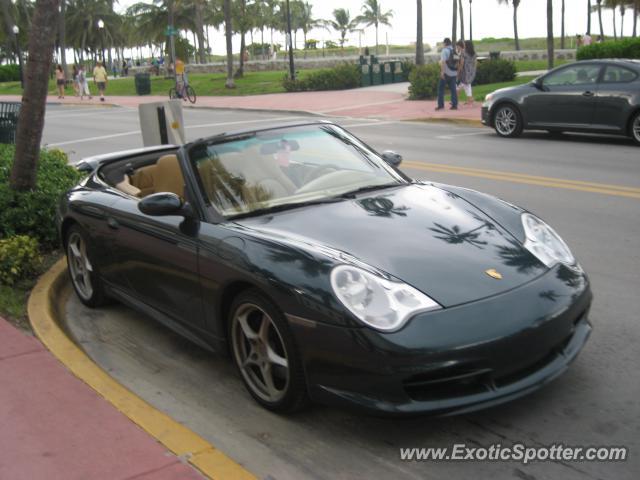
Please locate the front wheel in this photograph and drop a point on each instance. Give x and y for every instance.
(172, 93)
(635, 128)
(190, 94)
(507, 121)
(82, 270)
(265, 354)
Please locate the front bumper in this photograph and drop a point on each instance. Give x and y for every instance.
(453, 360)
(486, 117)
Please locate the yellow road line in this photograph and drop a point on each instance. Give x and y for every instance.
(45, 308)
(602, 188)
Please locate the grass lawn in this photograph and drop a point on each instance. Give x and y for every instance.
(480, 91)
(205, 84)
(534, 65)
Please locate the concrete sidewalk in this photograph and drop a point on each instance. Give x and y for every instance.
(53, 426)
(388, 102)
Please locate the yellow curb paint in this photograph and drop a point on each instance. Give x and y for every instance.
(44, 312)
(605, 189)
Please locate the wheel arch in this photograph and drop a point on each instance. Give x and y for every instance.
(630, 120)
(67, 223)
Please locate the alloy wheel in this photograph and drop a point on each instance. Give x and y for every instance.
(506, 121)
(79, 265)
(635, 128)
(260, 353)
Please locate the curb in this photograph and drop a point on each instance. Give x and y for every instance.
(454, 121)
(44, 312)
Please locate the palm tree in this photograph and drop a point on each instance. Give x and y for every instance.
(562, 25)
(461, 20)
(588, 17)
(342, 23)
(636, 11)
(419, 44)
(550, 51)
(228, 31)
(599, 7)
(516, 4)
(470, 23)
(454, 22)
(243, 23)
(372, 15)
(31, 120)
(307, 22)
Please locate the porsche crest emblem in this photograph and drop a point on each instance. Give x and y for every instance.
(493, 273)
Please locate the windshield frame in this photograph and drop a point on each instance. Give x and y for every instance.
(368, 154)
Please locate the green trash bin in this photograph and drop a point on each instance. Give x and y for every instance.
(376, 74)
(9, 113)
(143, 83)
(398, 74)
(387, 72)
(366, 74)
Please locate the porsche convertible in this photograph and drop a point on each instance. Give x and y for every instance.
(326, 273)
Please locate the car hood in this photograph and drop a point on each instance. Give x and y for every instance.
(430, 238)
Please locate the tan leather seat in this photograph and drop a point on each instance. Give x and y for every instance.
(167, 176)
(143, 179)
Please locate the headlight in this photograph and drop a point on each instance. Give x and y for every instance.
(377, 302)
(489, 97)
(544, 242)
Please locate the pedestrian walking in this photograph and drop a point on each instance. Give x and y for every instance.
(467, 70)
(448, 75)
(60, 80)
(100, 79)
(83, 83)
(76, 84)
(586, 39)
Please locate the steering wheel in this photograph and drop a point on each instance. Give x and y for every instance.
(319, 172)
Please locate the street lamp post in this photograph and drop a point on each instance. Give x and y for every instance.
(101, 29)
(292, 71)
(470, 23)
(16, 31)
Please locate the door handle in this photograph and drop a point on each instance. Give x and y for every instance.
(113, 223)
(588, 94)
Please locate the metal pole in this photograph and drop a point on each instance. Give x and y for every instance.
(292, 71)
(470, 23)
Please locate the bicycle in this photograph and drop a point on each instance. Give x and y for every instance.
(185, 92)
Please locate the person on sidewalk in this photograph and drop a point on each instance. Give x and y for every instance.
(83, 84)
(448, 75)
(100, 79)
(467, 70)
(76, 84)
(60, 80)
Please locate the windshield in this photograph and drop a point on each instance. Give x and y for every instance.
(288, 166)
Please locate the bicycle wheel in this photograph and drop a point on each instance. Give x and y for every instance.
(190, 94)
(172, 93)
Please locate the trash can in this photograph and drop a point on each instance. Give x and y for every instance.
(366, 74)
(9, 113)
(387, 72)
(398, 74)
(143, 83)
(376, 74)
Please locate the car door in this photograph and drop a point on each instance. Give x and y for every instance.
(565, 97)
(614, 101)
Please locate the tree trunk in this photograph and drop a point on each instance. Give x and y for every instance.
(419, 43)
(199, 24)
(376, 38)
(600, 18)
(228, 34)
(461, 20)
(589, 17)
(62, 35)
(562, 25)
(622, 11)
(550, 49)
(515, 26)
(8, 24)
(454, 22)
(615, 31)
(635, 20)
(36, 83)
(240, 72)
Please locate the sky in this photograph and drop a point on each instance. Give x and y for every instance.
(490, 19)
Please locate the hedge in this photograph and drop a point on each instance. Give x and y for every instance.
(495, 71)
(9, 73)
(626, 48)
(340, 77)
(19, 259)
(33, 212)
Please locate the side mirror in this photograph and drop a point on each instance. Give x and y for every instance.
(392, 158)
(538, 83)
(163, 204)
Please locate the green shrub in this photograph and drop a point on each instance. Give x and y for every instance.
(424, 81)
(494, 71)
(19, 259)
(9, 73)
(33, 212)
(626, 48)
(340, 77)
(406, 66)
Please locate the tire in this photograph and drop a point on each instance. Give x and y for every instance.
(265, 354)
(634, 128)
(85, 277)
(191, 94)
(507, 121)
(172, 93)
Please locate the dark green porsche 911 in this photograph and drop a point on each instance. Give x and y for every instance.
(328, 274)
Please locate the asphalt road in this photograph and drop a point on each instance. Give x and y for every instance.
(588, 188)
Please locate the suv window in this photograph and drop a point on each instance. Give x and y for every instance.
(574, 75)
(616, 74)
